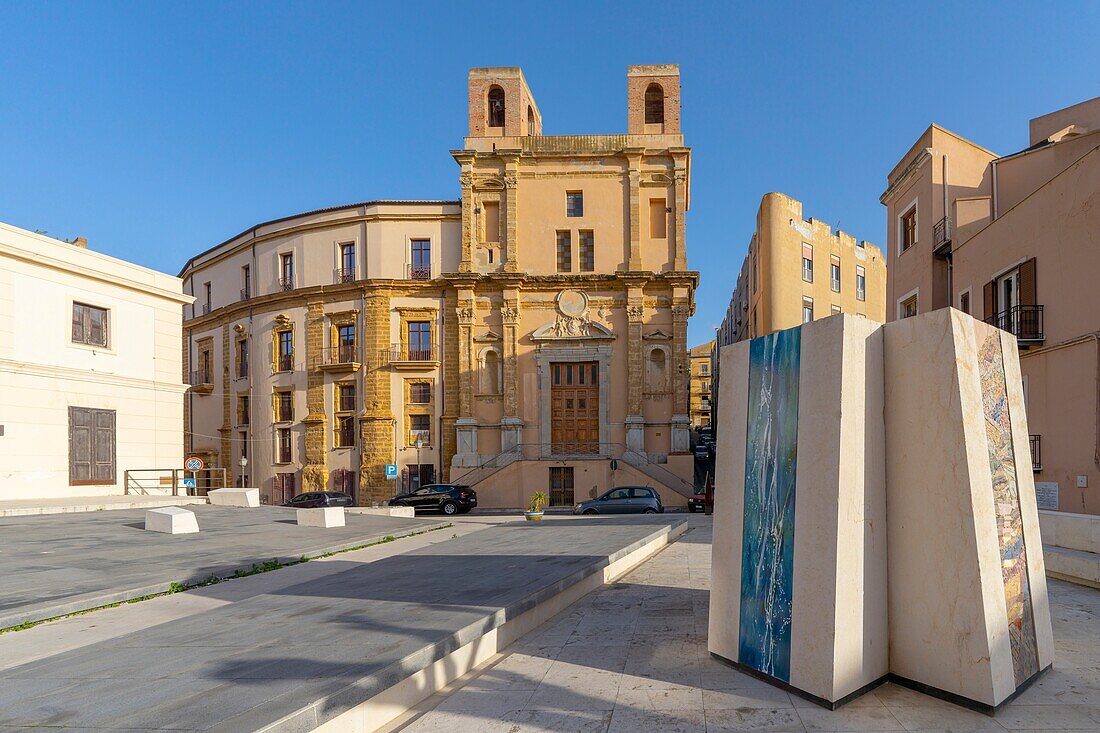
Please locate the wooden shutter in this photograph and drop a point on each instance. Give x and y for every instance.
(1027, 283)
(80, 445)
(103, 445)
(990, 299)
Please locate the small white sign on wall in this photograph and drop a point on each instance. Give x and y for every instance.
(1046, 494)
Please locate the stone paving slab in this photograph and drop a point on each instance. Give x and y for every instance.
(305, 653)
(61, 563)
(632, 658)
(73, 504)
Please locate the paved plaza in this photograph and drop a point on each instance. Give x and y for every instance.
(61, 563)
(632, 658)
(303, 644)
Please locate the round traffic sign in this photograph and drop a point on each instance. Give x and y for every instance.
(194, 464)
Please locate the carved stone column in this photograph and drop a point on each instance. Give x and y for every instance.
(635, 422)
(376, 422)
(634, 176)
(466, 180)
(315, 470)
(511, 209)
(511, 425)
(680, 181)
(466, 454)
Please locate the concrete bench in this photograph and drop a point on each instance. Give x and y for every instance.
(171, 520)
(329, 516)
(234, 497)
(384, 511)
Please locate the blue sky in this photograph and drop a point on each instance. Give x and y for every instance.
(157, 130)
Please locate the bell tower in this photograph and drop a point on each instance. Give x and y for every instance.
(653, 100)
(501, 104)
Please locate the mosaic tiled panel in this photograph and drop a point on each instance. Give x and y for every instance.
(767, 550)
(1006, 498)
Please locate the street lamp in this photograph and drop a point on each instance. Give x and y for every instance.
(419, 442)
(244, 463)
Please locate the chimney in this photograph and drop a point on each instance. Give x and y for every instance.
(80, 242)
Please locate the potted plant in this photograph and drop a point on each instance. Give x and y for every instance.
(534, 510)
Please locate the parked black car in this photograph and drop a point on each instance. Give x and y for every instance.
(445, 498)
(623, 500)
(315, 499)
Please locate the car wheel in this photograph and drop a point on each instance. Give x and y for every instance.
(649, 511)
(589, 512)
(449, 508)
(691, 508)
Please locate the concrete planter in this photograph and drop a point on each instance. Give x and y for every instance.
(533, 516)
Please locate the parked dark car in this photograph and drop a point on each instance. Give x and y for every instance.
(702, 452)
(315, 499)
(623, 500)
(697, 502)
(445, 498)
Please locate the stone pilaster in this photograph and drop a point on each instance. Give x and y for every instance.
(376, 421)
(466, 424)
(681, 375)
(466, 180)
(679, 177)
(634, 175)
(226, 430)
(509, 314)
(450, 380)
(635, 377)
(511, 208)
(315, 469)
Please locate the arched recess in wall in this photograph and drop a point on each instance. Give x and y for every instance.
(530, 120)
(654, 104)
(496, 106)
(656, 369)
(490, 375)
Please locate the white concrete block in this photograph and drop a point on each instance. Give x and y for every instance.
(329, 516)
(171, 520)
(384, 511)
(235, 497)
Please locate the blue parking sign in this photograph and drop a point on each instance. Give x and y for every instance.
(391, 470)
(189, 483)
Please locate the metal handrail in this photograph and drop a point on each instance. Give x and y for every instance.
(200, 377)
(418, 272)
(1036, 443)
(400, 352)
(286, 283)
(344, 274)
(339, 354)
(1025, 322)
(941, 232)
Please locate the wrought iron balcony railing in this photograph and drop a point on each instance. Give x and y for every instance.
(400, 353)
(286, 284)
(341, 355)
(1036, 452)
(941, 236)
(344, 274)
(201, 378)
(1025, 322)
(419, 272)
(246, 293)
(285, 362)
(205, 309)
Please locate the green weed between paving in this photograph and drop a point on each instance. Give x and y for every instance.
(256, 569)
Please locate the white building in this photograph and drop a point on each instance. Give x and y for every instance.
(90, 369)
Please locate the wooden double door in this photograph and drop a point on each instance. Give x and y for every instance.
(574, 408)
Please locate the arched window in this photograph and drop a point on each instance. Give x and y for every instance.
(496, 107)
(530, 120)
(654, 104)
(657, 370)
(490, 372)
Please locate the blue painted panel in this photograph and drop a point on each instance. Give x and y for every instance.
(767, 550)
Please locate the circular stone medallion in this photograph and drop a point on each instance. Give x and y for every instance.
(572, 302)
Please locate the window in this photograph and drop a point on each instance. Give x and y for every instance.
(345, 343)
(345, 397)
(909, 228)
(242, 358)
(420, 474)
(420, 430)
(834, 272)
(657, 371)
(420, 341)
(91, 447)
(242, 439)
(574, 203)
(347, 262)
(704, 369)
(807, 310)
(490, 372)
(565, 252)
(588, 252)
(244, 410)
(861, 283)
(89, 325)
(835, 309)
(282, 449)
(496, 107)
(807, 262)
(345, 431)
(908, 307)
(658, 219)
(420, 393)
(206, 298)
(286, 351)
(284, 406)
(492, 221)
(753, 268)
(561, 486)
(964, 302)
(421, 250)
(654, 104)
(286, 270)
(246, 282)
(530, 120)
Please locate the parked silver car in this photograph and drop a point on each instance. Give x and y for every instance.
(623, 500)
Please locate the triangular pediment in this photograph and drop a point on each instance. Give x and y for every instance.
(657, 335)
(572, 329)
(488, 336)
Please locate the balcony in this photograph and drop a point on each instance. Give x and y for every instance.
(343, 275)
(286, 284)
(341, 358)
(404, 357)
(1025, 322)
(245, 293)
(941, 237)
(284, 363)
(1036, 442)
(201, 381)
(418, 272)
(206, 309)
